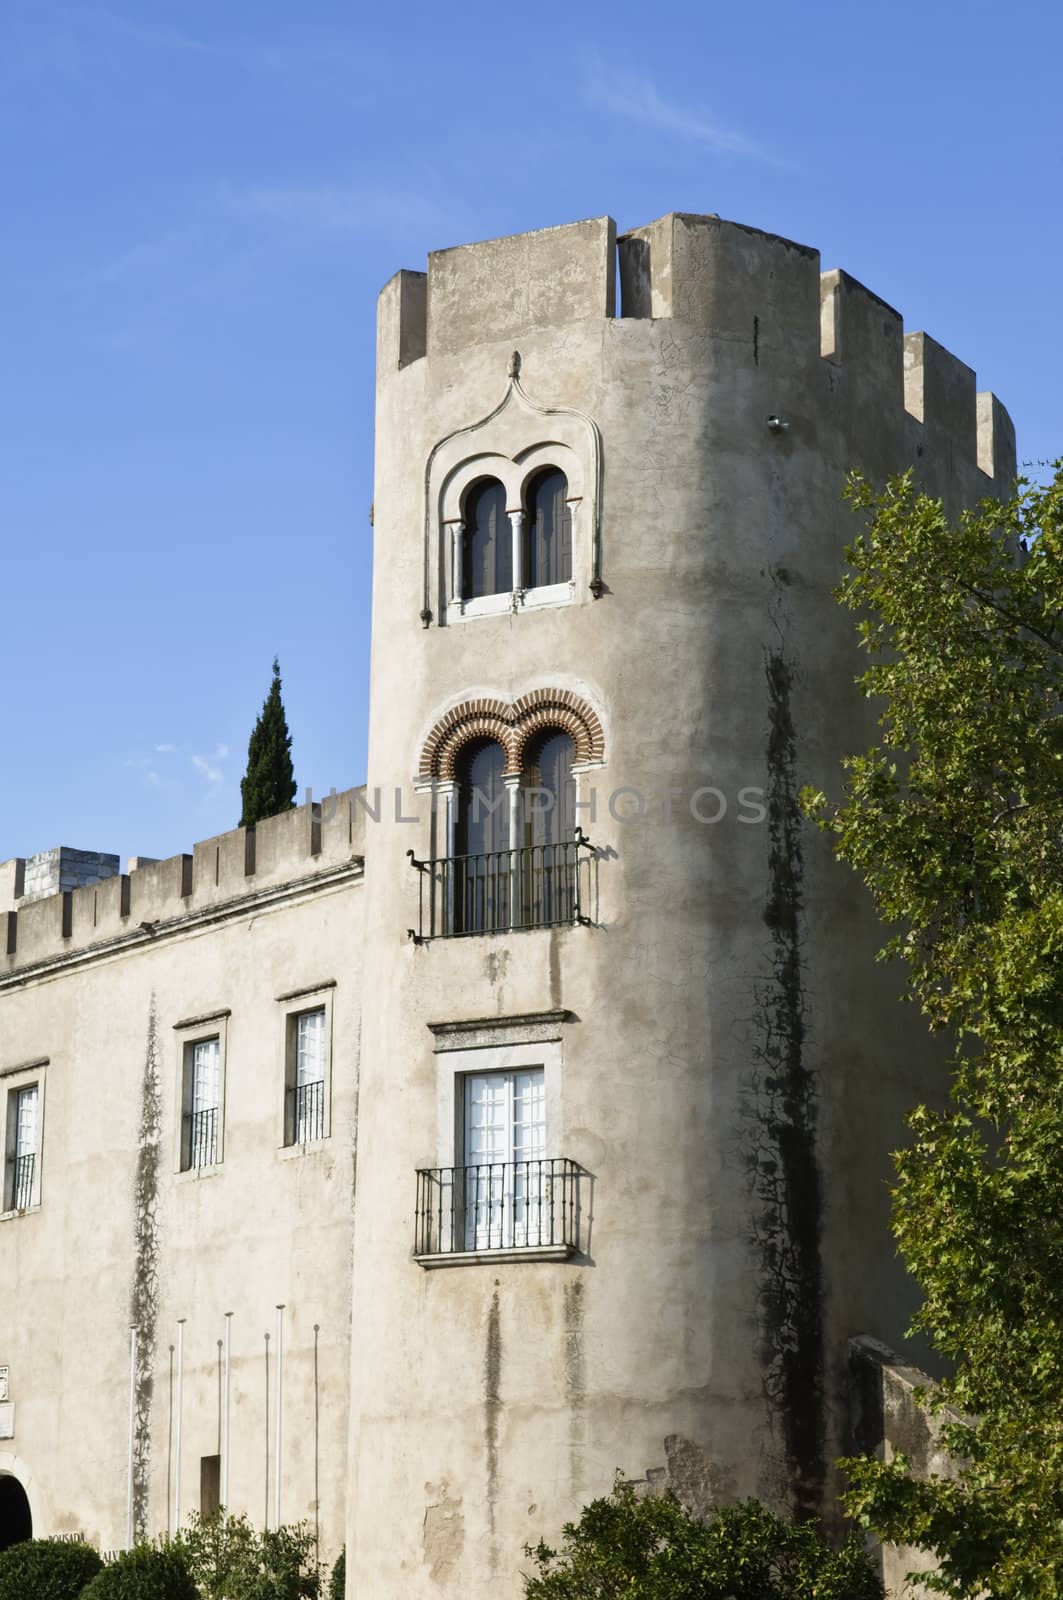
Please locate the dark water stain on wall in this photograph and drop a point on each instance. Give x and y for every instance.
(575, 1382)
(783, 1161)
(492, 1414)
(144, 1296)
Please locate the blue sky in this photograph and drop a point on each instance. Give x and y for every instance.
(200, 203)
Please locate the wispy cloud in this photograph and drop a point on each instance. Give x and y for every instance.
(638, 99)
(337, 208)
(211, 773)
(207, 765)
(166, 749)
(314, 64)
(171, 39)
(153, 255)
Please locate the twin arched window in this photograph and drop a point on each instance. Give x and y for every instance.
(504, 550)
(544, 812)
(514, 862)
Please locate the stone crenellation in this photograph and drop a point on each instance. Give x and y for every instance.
(735, 284)
(90, 902)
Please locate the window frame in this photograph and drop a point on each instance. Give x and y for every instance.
(296, 1005)
(455, 1066)
(515, 474)
(190, 1034)
(14, 1080)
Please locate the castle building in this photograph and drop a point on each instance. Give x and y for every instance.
(414, 1162)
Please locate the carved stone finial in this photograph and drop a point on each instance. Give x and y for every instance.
(514, 364)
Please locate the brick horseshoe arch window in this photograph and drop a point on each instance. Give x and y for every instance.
(512, 725)
(510, 853)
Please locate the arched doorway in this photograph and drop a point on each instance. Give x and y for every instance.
(16, 1523)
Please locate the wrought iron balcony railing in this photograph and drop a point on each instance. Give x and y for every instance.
(25, 1172)
(504, 891)
(203, 1138)
(532, 1205)
(307, 1112)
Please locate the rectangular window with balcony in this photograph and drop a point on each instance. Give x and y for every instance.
(201, 1130)
(306, 1076)
(501, 1190)
(21, 1166)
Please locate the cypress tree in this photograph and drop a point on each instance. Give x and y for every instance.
(269, 783)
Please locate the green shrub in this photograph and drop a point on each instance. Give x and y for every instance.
(338, 1581)
(229, 1560)
(653, 1549)
(46, 1569)
(146, 1572)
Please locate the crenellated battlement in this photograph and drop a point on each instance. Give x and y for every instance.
(757, 296)
(245, 864)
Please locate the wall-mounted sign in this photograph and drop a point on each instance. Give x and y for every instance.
(7, 1419)
(4, 1373)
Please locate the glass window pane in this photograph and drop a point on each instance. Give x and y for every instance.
(206, 1075)
(26, 1122)
(310, 1048)
(505, 1148)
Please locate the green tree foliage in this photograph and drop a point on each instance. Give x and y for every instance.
(230, 1560)
(268, 787)
(653, 1549)
(955, 822)
(337, 1583)
(147, 1572)
(46, 1569)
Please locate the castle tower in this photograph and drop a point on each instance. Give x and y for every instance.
(625, 1105)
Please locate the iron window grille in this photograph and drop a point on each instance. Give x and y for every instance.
(307, 1111)
(502, 891)
(25, 1172)
(204, 1132)
(498, 1205)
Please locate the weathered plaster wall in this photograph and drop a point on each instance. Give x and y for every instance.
(886, 1419)
(121, 1235)
(736, 1068)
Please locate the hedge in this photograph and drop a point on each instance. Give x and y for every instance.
(47, 1569)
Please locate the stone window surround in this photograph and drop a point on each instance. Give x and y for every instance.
(12, 1079)
(515, 475)
(193, 1031)
(317, 997)
(517, 437)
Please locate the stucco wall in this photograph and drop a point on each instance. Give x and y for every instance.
(735, 1068)
(120, 1235)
